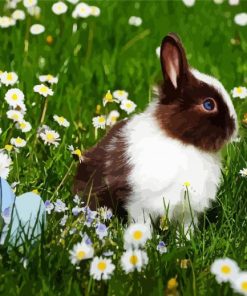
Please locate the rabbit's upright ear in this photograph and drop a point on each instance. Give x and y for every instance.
(173, 60)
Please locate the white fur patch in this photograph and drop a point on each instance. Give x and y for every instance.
(160, 166)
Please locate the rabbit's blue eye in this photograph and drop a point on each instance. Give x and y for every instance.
(209, 104)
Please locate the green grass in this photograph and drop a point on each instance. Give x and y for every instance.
(106, 53)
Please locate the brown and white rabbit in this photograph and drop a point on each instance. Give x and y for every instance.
(145, 164)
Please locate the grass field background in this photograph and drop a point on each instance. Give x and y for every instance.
(106, 53)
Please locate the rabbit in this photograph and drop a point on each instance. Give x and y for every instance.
(146, 165)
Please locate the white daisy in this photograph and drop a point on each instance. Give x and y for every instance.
(136, 235)
(101, 268)
(224, 269)
(50, 137)
(48, 78)
(61, 120)
(30, 3)
(112, 117)
(189, 3)
(239, 92)
(82, 10)
(120, 95)
(18, 142)
(241, 19)
(9, 78)
(218, 1)
(34, 11)
(133, 260)
(81, 251)
(99, 121)
(239, 284)
(15, 115)
(243, 172)
(59, 8)
(37, 29)
(135, 21)
(24, 126)
(5, 163)
(128, 106)
(18, 15)
(43, 90)
(73, 1)
(6, 22)
(95, 11)
(158, 51)
(233, 2)
(14, 96)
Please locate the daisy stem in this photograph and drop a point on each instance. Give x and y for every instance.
(96, 133)
(17, 167)
(42, 118)
(63, 180)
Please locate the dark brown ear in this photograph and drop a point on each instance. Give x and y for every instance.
(173, 60)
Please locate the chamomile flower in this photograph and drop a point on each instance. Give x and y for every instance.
(243, 172)
(73, 1)
(81, 10)
(43, 90)
(15, 115)
(233, 2)
(239, 92)
(241, 19)
(135, 21)
(59, 8)
(239, 284)
(112, 118)
(101, 268)
(14, 96)
(29, 3)
(9, 78)
(48, 78)
(128, 106)
(5, 163)
(136, 235)
(99, 122)
(95, 11)
(81, 251)
(61, 120)
(34, 11)
(189, 3)
(50, 137)
(18, 15)
(24, 126)
(120, 95)
(6, 22)
(108, 98)
(18, 142)
(224, 269)
(37, 29)
(133, 260)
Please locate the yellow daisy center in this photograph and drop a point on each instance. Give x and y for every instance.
(108, 97)
(244, 286)
(43, 89)
(101, 119)
(239, 90)
(138, 234)
(114, 118)
(133, 259)
(225, 269)
(80, 255)
(120, 92)
(14, 97)
(15, 116)
(49, 77)
(50, 136)
(61, 119)
(19, 140)
(128, 105)
(23, 125)
(9, 76)
(8, 147)
(77, 152)
(101, 265)
(187, 183)
(82, 9)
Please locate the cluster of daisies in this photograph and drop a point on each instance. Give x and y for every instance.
(227, 270)
(103, 263)
(120, 97)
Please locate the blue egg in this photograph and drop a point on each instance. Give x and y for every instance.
(7, 195)
(29, 217)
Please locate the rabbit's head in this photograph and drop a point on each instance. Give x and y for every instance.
(193, 107)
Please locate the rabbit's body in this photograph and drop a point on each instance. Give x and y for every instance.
(160, 168)
(146, 164)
